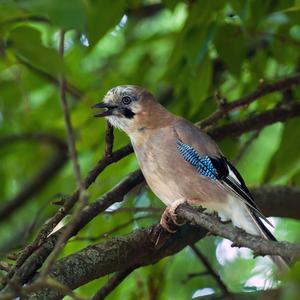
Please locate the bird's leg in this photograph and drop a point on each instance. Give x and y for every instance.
(167, 223)
(169, 219)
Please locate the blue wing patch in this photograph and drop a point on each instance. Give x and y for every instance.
(203, 164)
(221, 169)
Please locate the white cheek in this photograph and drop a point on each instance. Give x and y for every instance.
(114, 122)
(119, 122)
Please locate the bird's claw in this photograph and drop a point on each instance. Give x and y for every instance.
(167, 222)
(169, 219)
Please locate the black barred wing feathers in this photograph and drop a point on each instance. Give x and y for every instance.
(220, 169)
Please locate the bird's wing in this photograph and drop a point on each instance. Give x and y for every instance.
(198, 149)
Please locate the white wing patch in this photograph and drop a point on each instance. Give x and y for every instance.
(233, 176)
(236, 186)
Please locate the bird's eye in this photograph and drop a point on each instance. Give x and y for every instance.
(126, 100)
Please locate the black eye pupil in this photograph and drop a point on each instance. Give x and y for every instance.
(126, 100)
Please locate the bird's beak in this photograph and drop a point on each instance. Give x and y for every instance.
(108, 109)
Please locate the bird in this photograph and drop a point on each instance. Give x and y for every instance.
(181, 163)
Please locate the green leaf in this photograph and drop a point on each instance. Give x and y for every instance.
(102, 16)
(256, 159)
(10, 11)
(192, 42)
(286, 161)
(232, 47)
(26, 43)
(65, 14)
(170, 3)
(199, 83)
(296, 7)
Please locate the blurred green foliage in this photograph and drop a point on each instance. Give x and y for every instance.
(194, 47)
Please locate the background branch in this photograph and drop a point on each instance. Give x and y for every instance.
(112, 283)
(262, 90)
(109, 139)
(258, 121)
(82, 197)
(72, 90)
(211, 271)
(46, 173)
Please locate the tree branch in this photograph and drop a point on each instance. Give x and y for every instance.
(258, 121)
(46, 173)
(48, 284)
(262, 90)
(26, 271)
(278, 201)
(138, 248)
(112, 283)
(119, 253)
(72, 90)
(68, 204)
(239, 238)
(109, 139)
(67, 119)
(82, 197)
(211, 271)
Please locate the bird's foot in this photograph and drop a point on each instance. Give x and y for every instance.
(169, 219)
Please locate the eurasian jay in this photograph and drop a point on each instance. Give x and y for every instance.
(181, 163)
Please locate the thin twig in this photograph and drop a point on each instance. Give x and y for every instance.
(45, 174)
(109, 139)
(113, 230)
(73, 155)
(67, 118)
(5, 266)
(112, 283)
(72, 90)
(190, 276)
(261, 91)
(148, 209)
(221, 101)
(257, 121)
(12, 256)
(211, 271)
(37, 286)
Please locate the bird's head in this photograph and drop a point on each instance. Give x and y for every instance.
(130, 108)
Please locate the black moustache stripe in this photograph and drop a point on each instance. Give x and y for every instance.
(127, 113)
